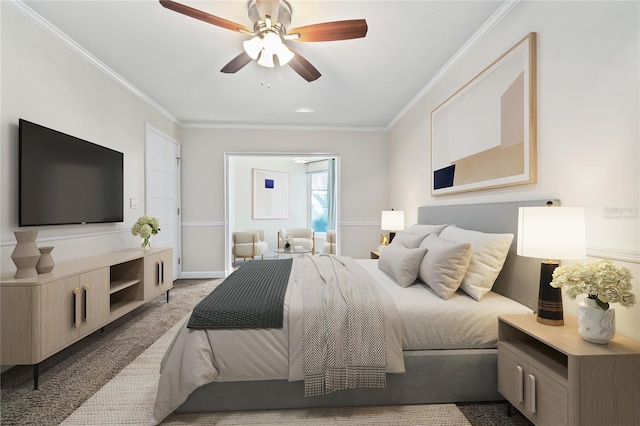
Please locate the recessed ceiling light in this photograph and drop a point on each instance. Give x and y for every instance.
(305, 109)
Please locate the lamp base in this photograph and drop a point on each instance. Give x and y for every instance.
(549, 298)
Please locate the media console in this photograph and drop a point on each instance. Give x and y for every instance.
(45, 314)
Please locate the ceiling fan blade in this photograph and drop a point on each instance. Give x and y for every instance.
(203, 16)
(331, 31)
(237, 63)
(304, 67)
(269, 8)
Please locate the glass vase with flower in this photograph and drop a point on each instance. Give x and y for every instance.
(145, 227)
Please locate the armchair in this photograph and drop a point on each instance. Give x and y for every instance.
(304, 237)
(329, 247)
(248, 244)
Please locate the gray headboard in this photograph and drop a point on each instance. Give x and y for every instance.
(520, 276)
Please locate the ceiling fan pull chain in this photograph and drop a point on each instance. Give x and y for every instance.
(267, 85)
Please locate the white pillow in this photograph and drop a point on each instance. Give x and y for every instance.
(444, 265)
(489, 252)
(408, 240)
(401, 263)
(425, 229)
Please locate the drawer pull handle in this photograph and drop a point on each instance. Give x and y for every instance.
(75, 307)
(520, 383)
(162, 279)
(532, 381)
(157, 273)
(85, 309)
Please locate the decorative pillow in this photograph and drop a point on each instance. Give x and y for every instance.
(489, 252)
(401, 263)
(444, 265)
(426, 229)
(408, 240)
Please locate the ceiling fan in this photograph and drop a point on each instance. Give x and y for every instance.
(271, 19)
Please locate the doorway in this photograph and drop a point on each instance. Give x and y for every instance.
(304, 203)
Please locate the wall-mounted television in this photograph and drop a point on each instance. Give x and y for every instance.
(66, 180)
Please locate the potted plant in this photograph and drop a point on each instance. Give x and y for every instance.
(604, 283)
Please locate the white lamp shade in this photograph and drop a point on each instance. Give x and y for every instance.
(266, 59)
(552, 232)
(392, 220)
(284, 54)
(253, 47)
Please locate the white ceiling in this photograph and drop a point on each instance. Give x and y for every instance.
(366, 83)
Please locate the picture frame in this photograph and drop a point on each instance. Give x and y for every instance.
(484, 135)
(270, 194)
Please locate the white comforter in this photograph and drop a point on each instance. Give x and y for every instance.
(198, 357)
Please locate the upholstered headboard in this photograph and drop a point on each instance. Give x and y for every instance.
(520, 276)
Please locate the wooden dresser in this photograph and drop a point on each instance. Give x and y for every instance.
(45, 314)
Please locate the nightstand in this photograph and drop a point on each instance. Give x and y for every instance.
(554, 377)
(375, 254)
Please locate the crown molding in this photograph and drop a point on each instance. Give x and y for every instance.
(502, 12)
(194, 125)
(75, 47)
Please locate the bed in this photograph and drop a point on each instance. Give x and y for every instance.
(440, 364)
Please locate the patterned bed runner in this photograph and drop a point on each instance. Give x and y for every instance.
(344, 327)
(251, 297)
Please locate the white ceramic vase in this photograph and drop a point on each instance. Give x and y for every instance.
(26, 254)
(596, 325)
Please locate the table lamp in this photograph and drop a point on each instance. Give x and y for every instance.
(392, 221)
(551, 233)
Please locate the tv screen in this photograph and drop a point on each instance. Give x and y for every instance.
(65, 180)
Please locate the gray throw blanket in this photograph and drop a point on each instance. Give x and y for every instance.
(344, 327)
(251, 297)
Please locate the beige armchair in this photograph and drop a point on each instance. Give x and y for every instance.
(248, 244)
(329, 247)
(304, 237)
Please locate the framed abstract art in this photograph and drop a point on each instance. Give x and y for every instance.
(270, 194)
(484, 135)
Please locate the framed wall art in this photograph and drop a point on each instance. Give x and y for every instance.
(270, 194)
(484, 135)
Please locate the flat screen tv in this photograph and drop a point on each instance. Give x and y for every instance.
(65, 180)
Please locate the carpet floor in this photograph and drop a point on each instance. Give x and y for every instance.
(110, 378)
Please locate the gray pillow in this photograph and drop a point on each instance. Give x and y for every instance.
(444, 265)
(425, 229)
(401, 263)
(408, 240)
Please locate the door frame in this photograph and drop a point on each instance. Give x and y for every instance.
(228, 220)
(177, 249)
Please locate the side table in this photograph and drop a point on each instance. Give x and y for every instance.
(553, 376)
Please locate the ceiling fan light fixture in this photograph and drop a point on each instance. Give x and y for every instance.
(284, 55)
(253, 47)
(266, 59)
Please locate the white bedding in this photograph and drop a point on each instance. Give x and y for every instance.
(430, 322)
(197, 357)
(422, 321)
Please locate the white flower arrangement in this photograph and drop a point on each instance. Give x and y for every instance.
(602, 280)
(145, 227)
(287, 242)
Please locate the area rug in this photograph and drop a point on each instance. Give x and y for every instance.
(129, 397)
(73, 375)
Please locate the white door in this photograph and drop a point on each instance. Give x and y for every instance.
(162, 190)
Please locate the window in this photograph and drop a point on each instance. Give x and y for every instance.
(318, 207)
